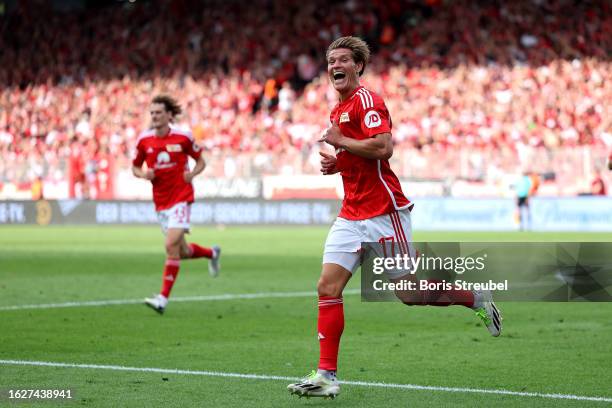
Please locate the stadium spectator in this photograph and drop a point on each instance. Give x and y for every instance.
(598, 186)
(500, 80)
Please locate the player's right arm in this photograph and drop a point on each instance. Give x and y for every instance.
(328, 164)
(137, 163)
(146, 174)
(377, 147)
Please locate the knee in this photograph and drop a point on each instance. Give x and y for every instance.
(329, 288)
(172, 249)
(184, 252)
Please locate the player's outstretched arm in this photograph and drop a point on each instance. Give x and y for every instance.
(379, 147)
(139, 172)
(198, 168)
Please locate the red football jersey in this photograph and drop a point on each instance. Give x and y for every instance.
(168, 156)
(370, 186)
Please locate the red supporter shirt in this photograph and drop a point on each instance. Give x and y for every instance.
(370, 186)
(168, 156)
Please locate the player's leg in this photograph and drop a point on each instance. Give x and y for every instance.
(519, 213)
(193, 250)
(330, 325)
(172, 244)
(340, 260)
(480, 301)
(173, 259)
(523, 205)
(396, 227)
(174, 222)
(527, 215)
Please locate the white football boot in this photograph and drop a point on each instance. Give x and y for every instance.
(214, 264)
(316, 385)
(487, 312)
(157, 303)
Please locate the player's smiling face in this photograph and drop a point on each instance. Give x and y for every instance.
(160, 117)
(342, 70)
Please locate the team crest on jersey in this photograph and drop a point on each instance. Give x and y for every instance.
(174, 148)
(344, 117)
(372, 119)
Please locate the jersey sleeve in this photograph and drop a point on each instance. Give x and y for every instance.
(374, 116)
(191, 148)
(139, 157)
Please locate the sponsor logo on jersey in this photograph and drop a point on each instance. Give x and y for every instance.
(174, 148)
(163, 157)
(150, 150)
(372, 119)
(344, 117)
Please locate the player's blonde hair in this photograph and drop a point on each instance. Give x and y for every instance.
(359, 49)
(170, 104)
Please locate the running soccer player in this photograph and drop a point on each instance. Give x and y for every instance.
(374, 210)
(166, 151)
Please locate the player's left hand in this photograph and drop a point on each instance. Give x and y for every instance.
(332, 135)
(188, 176)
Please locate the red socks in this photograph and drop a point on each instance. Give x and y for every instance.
(330, 326)
(171, 269)
(172, 266)
(200, 252)
(331, 320)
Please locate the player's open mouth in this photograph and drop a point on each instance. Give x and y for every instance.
(338, 75)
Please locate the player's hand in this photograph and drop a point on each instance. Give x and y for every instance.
(148, 174)
(328, 164)
(188, 176)
(332, 136)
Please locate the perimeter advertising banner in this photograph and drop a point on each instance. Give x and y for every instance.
(429, 214)
(230, 212)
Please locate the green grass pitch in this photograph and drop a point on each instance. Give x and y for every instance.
(563, 348)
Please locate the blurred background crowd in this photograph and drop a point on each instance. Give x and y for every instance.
(477, 90)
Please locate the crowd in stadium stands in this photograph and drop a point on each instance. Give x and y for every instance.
(485, 76)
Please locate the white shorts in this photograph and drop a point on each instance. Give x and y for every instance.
(176, 216)
(344, 240)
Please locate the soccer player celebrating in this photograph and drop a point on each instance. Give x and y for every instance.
(374, 210)
(166, 151)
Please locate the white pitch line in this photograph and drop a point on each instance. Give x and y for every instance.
(282, 378)
(226, 296)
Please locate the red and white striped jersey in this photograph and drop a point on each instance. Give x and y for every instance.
(370, 186)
